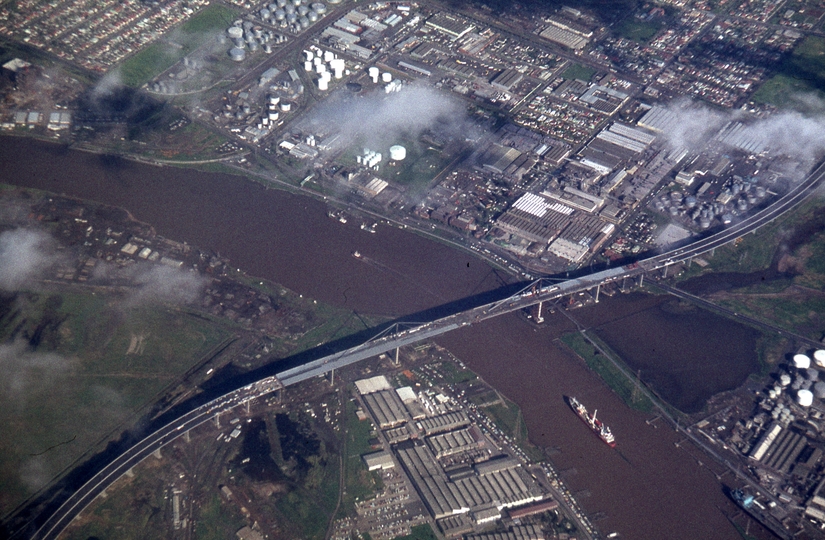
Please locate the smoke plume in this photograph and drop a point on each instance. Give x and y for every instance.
(25, 254)
(793, 134)
(380, 118)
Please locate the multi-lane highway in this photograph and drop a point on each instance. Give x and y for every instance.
(540, 291)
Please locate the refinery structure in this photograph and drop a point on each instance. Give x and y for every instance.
(543, 142)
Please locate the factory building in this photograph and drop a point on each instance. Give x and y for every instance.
(536, 218)
(563, 37)
(506, 80)
(386, 408)
(444, 422)
(604, 99)
(502, 485)
(737, 135)
(659, 119)
(451, 25)
(378, 461)
(520, 532)
(455, 442)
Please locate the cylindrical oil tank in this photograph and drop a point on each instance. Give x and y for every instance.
(312, 16)
(303, 21)
(785, 379)
(302, 10)
(234, 32)
(813, 373)
(237, 54)
(280, 14)
(801, 361)
(805, 398)
(289, 8)
(819, 357)
(319, 7)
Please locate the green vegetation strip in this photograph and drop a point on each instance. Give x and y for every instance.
(625, 388)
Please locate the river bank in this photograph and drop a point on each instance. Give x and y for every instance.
(647, 488)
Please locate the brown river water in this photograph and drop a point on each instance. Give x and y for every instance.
(646, 488)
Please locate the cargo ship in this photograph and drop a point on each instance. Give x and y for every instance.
(596, 425)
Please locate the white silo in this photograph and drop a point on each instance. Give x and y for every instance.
(801, 361)
(805, 398)
(397, 152)
(374, 73)
(337, 66)
(323, 84)
(785, 379)
(819, 357)
(308, 66)
(386, 77)
(328, 56)
(309, 55)
(320, 68)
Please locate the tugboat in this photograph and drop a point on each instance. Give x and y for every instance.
(596, 425)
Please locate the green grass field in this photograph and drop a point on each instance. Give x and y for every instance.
(578, 71)
(161, 55)
(80, 385)
(637, 30)
(802, 72)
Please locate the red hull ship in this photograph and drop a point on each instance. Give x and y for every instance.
(594, 424)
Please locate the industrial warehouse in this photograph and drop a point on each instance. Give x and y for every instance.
(464, 481)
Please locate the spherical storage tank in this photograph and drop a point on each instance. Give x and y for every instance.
(237, 54)
(805, 398)
(397, 152)
(801, 361)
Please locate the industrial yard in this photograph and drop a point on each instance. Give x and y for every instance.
(542, 141)
(543, 150)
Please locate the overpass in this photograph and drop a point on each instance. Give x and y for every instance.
(542, 290)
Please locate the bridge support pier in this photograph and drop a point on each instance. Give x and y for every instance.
(624, 282)
(332, 377)
(598, 288)
(641, 281)
(218, 420)
(664, 271)
(397, 351)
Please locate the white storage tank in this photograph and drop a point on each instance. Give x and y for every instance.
(801, 361)
(805, 398)
(819, 357)
(785, 379)
(237, 54)
(397, 152)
